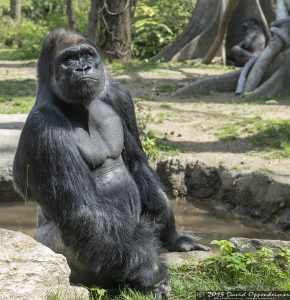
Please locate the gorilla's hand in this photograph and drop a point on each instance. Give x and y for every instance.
(159, 290)
(162, 291)
(185, 243)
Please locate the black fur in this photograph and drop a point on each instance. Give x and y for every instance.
(80, 158)
(253, 43)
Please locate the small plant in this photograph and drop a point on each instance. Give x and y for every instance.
(97, 293)
(152, 145)
(235, 267)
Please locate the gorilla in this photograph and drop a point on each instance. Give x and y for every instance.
(81, 160)
(252, 45)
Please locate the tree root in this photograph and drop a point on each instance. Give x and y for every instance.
(273, 86)
(221, 83)
(244, 74)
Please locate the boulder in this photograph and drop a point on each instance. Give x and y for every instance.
(252, 245)
(177, 259)
(31, 271)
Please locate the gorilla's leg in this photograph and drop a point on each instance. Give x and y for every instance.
(240, 56)
(49, 235)
(140, 264)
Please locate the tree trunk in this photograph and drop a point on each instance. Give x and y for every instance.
(93, 19)
(70, 15)
(115, 28)
(15, 10)
(230, 8)
(198, 35)
(262, 77)
(248, 9)
(202, 28)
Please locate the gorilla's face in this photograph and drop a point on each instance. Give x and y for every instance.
(250, 23)
(78, 75)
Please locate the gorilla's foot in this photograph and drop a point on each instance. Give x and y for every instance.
(185, 243)
(160, 290)
(163, 291)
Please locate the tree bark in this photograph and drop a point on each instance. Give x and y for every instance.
(230, 8)
(15, 10)
(115, 28)
(70, 15)
(198, 35)
(93, 19)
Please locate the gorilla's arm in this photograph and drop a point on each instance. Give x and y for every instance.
(254, 40)
(249, 38)
(154, 200)
(57, 177)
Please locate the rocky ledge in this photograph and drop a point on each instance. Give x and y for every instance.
(254, 195)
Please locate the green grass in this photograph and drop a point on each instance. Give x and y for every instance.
(266, 170)
(269, 136)
(135, 65)
(165, 106)
(17, 96)
(160, 117)
(229, 270)
(166, 88)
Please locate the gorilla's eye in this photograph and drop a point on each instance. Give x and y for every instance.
(68, 61)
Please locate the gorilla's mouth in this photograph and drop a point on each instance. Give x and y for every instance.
(89, 79)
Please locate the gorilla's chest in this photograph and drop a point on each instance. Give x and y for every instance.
(101, 137)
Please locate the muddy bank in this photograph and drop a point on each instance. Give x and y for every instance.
(253, 195)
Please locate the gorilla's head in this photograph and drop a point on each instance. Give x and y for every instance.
(75, 71)
(249, 23)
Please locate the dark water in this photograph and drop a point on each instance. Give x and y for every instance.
(210, 225)
(206, 225)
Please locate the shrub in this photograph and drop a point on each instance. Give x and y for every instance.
(30, 37)
(158, 23)
(8, 31)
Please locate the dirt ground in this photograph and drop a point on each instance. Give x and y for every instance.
(194, 123)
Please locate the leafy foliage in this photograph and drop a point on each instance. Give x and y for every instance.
(235, 267)
(8, 31)
(152, 145)
(38, 18)
(30, 37)
(158, 23)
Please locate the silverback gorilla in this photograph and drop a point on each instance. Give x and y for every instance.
(253, 43)
(80, 159)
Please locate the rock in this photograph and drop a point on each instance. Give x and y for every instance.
(252, 245)
(31, 271)
(179, 258)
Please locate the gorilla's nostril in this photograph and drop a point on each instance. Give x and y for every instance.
(87, 68)
(83, 69)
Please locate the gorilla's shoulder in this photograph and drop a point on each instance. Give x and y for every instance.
(117, 89)
(44, 116)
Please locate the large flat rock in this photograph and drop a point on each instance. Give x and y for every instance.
(31, 271)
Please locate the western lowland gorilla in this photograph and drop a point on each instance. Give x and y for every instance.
(80, 159)
(253, 43)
